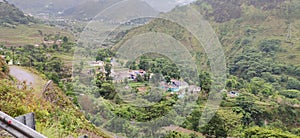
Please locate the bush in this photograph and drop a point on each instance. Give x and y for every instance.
(270, 45)
(291, 93)
(293, 83)
(258, 132)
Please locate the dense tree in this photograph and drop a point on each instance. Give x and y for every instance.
(225, 123)
(144, 63)
(205, 81)
(270, 45)
(65, 39)
(107, 90)
(259, 86)
(291, 93)
(192, 121)
(293, 83)
(103, 54)
(108, 68)
(250, 110)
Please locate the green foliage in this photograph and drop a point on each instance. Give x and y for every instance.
(60, 116)
(225, 123)
(103, 54)
(143, 114)
(293, 83)
(251, 112)
(174, 134)
(192, 121)
(4, 69)
(259, 86)
(291, 94)
(205, 81)
(270, 45)
(108, 68)
(10, 15)
(107, 90)
(251, 63)
(158, 65)
(42, 60)
(258, 132)
(139, 78)
(220, 12)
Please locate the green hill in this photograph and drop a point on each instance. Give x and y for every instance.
(262, 49)
(18, 29)
(10, 15)
(267, 28)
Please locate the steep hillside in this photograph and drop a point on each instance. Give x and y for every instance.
(10, 15)
(260, 38)
(56, 115)
(18, 29)
(241, 25)
(4, 70)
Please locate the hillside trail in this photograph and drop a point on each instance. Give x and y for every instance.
(32, 80)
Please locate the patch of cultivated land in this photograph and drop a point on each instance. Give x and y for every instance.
(27, 34)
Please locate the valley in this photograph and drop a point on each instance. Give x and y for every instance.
(115, 75)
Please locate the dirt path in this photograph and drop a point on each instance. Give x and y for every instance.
(21, 74)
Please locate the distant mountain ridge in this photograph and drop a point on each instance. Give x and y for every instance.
(79, 9)
(52, 7)
(11, 15)
(118, 8)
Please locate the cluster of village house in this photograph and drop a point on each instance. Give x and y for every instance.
(175, 86)
(51, 42)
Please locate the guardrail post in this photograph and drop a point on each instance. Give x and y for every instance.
(16, 128)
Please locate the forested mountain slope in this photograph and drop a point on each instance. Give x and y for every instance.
(10, 15)
(261, 41)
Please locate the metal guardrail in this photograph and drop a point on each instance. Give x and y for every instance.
(17, 128)
(27, 119)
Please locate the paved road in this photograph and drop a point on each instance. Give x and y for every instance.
(22, 75)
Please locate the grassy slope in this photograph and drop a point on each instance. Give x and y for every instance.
(269, 23)
(17, 29)
(56, 118)
(4, 70)
(174, 30)
(27, 34)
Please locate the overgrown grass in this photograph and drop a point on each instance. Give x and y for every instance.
(28, 34)
(59, 118)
